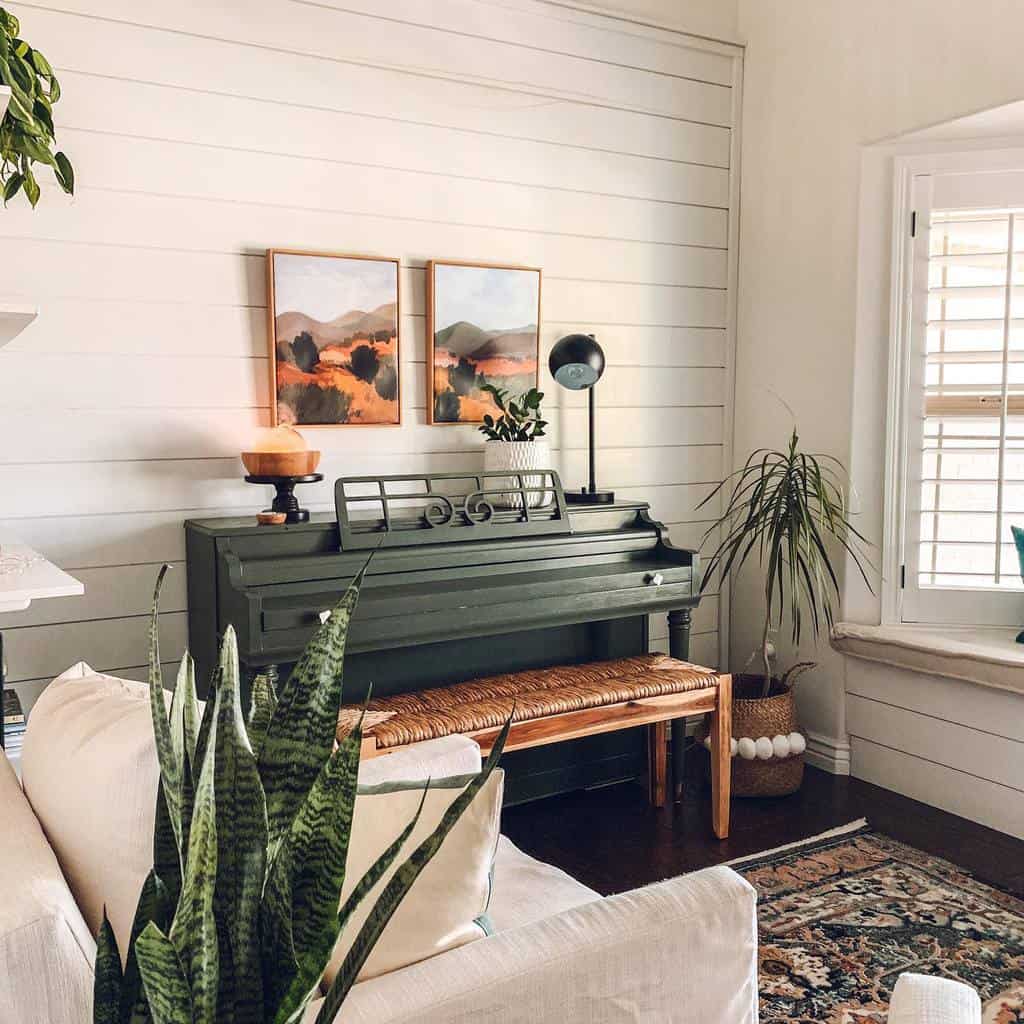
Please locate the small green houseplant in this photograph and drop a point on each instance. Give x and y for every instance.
(516, 443)
(790, 511)
(520, 420)
(27, 135)
(238, 917)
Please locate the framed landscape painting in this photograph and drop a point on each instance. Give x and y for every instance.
(333, 325)
(482, 328)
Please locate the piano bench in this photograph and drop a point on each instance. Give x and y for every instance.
(566, 702)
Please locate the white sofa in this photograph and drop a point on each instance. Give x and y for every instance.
(79, 834)
(78, 838)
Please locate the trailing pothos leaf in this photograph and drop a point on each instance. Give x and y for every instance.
(239, 916)
(27, 135)
(788, 508)
(520, 419)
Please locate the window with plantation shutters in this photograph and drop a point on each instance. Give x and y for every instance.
(964, 486)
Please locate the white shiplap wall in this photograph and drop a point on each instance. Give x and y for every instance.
(952, 744)
(203, 132)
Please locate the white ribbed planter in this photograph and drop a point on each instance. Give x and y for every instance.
(518, 457)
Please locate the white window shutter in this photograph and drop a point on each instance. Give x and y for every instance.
(965, 424)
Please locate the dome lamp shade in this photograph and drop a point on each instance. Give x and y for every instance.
(577, 362)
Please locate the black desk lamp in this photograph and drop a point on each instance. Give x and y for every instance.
(577, 362)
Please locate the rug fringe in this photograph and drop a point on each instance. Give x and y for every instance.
(853, 826)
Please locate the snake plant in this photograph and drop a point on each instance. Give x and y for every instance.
(239, 915)
(787, 507)
(26, 129)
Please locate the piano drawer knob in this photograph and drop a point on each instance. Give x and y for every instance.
(324, 616)
(654, 579)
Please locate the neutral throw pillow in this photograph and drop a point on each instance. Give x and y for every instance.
(431, 759)
(89, 769)
(447, 905)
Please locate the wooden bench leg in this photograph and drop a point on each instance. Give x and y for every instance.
(678, 757)
(721, 757)
(657, 756)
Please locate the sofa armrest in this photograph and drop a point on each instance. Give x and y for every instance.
(679, 952)
(46, 950)
(920, 999)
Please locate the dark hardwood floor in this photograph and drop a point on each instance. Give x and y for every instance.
(611, 840)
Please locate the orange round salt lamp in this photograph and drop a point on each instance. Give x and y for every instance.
(280, 451)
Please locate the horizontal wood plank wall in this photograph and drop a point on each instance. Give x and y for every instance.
(459, 129)
(951, 744)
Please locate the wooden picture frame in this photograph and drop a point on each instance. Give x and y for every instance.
(499, 347)
(333, 392)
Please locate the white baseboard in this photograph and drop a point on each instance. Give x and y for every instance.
(827, 753)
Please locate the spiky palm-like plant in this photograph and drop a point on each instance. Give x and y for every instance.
(787, 507)
(238, 917)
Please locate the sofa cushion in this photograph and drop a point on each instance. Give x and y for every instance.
(89, 770)
(447, 903)
(528, 890)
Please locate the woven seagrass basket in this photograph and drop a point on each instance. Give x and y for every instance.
(754, 716)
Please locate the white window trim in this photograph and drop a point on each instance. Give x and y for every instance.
(906, 169)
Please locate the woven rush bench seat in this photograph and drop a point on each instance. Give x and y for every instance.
(565, 702)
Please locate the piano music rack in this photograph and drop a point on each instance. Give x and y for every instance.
(442, 508)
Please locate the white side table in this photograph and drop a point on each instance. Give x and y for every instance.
(25, 576)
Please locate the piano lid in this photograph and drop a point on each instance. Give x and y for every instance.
(441, 508)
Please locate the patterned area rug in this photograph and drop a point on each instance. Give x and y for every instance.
(844, 914)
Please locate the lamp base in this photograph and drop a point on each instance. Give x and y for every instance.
(587, 497)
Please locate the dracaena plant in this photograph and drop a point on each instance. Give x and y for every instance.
(27, 136)
(790, 510)
(520, 418)
(239, 915)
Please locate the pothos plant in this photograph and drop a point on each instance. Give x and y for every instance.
(790, 510)
(27, 135)
(520, 418)
(239, 915)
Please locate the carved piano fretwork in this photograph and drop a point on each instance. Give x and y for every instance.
(530, 586)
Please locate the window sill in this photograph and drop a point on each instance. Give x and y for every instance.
(988, 657)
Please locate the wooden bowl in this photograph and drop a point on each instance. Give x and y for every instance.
(281, 463)
(271, 518)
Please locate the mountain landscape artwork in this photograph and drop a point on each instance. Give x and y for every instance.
(334, 339)
(482, 329)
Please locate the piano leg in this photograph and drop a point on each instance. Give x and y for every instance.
(678, 647)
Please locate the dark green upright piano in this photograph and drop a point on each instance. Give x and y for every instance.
(470, 575)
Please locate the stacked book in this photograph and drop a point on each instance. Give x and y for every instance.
(14, 724)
